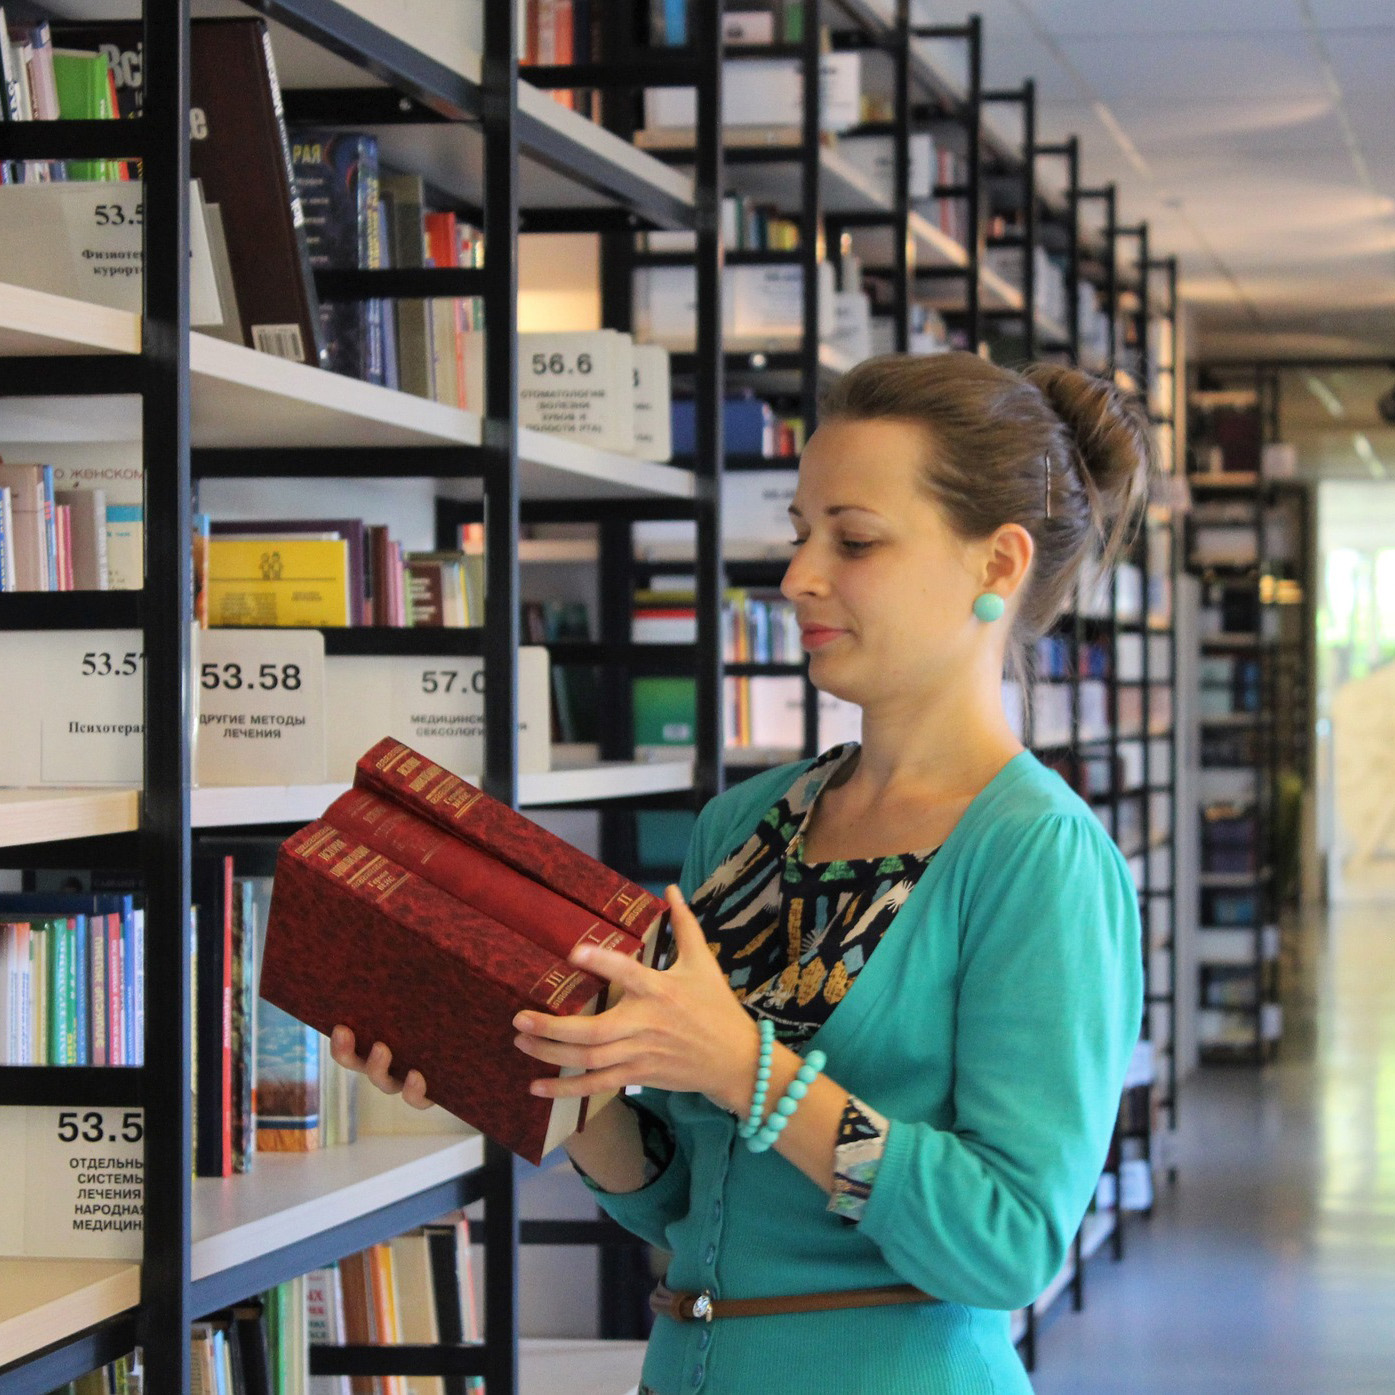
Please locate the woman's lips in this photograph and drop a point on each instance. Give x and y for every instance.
(816, 636)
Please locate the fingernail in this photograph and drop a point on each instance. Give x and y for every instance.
(582, 954)
(536, 1088)
(523, 1022)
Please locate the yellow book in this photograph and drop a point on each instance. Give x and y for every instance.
(278, 582)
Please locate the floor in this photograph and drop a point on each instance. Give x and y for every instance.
(1270, 1268)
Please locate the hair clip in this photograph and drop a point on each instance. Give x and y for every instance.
(1048, 484)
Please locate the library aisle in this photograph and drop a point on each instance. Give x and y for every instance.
(1270, 1268)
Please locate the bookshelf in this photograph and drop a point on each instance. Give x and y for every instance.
(500, 150)
(1247, 541)
(198, 408)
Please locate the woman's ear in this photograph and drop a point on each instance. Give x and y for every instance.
(1007, 558)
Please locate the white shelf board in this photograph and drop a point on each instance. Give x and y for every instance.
(549, 1364)
(43, 1301)
(50, 815)
(35, 322)
(576, 777)
(244, 398)
(290, 1196)
(1236, 945)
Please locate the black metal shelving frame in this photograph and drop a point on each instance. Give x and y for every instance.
(1273, 748)
(420, 90)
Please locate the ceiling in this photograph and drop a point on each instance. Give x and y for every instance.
(1256, 137)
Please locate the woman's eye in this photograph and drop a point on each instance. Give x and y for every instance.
(854, 545)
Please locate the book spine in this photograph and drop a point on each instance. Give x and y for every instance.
(355, 938)
(527, 907)
(97, 945)
(399, 774)
(116, 989)
(82, 971)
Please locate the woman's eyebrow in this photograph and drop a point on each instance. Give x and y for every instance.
(834, 510)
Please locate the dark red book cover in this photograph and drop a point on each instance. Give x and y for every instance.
(399, 774)
(354, 937)
(527, 907)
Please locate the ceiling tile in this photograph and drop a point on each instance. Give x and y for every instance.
(1198, 69)
(1134, 17)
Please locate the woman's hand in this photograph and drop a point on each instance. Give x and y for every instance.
(682, 1029)
(375, 1065)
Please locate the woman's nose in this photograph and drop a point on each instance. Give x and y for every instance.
(802, 576)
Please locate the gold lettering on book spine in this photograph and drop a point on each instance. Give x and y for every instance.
(627, 906)
(555, 985)
(308, 846)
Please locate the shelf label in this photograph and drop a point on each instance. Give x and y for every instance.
(579, 385)
(74, 707)
(74, 1183)
(435, 705)
(261, 697)
(86, 240)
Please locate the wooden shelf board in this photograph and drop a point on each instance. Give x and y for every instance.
(51, 815)
(43, 1301)
(291, 1196)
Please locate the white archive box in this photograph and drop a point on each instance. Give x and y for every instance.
(766, 93)
(762, 306)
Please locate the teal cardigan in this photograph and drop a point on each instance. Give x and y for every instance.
(992, 1026)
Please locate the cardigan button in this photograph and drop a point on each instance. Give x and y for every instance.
(704, 1337)
(698, 1372)
(710, 1257)
(716, 1210)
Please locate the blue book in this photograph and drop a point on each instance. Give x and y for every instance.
(746, 422)
(134, 928)
(676, 22)
(50, 529)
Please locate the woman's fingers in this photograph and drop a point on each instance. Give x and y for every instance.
(626, 973)
(592, 1083)
(344, 1049)
(688, 936)
(414, 1090)
(378, 1065)
(558, 1053)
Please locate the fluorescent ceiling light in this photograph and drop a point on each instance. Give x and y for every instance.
(1325, 395)
(1362, 445)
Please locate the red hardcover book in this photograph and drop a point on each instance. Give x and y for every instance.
(116, 990)
(527, 907)
(354, 937)
(402, 776)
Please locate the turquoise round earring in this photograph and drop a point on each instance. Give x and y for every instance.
(989, 607)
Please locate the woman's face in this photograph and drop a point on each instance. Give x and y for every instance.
(883, 588)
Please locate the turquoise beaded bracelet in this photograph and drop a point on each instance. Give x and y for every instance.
(767, 1046)
(759, 1141)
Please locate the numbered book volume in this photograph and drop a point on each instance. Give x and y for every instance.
(422, 913)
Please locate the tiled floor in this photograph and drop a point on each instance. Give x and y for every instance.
(1270, 1268)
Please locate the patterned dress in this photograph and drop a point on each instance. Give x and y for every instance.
(792, 937)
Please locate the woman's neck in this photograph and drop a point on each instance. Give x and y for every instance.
(948, 743)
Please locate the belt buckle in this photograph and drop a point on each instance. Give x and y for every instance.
(702, 1305)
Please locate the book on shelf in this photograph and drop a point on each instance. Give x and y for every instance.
(457, 321)
(269, 582)
(71, 994)
(403, 198)
(386, 940)
(242, 158)
(337, 177)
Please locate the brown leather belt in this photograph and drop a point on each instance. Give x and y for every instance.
(703, 1307)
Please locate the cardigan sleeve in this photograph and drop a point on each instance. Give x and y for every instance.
(1049, 1005)
(663, 1200)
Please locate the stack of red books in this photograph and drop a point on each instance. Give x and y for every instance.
(424, 914)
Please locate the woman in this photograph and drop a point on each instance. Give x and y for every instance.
(932, 912)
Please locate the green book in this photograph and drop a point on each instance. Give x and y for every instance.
(60, 960)
(665, 711)
(84, 94)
